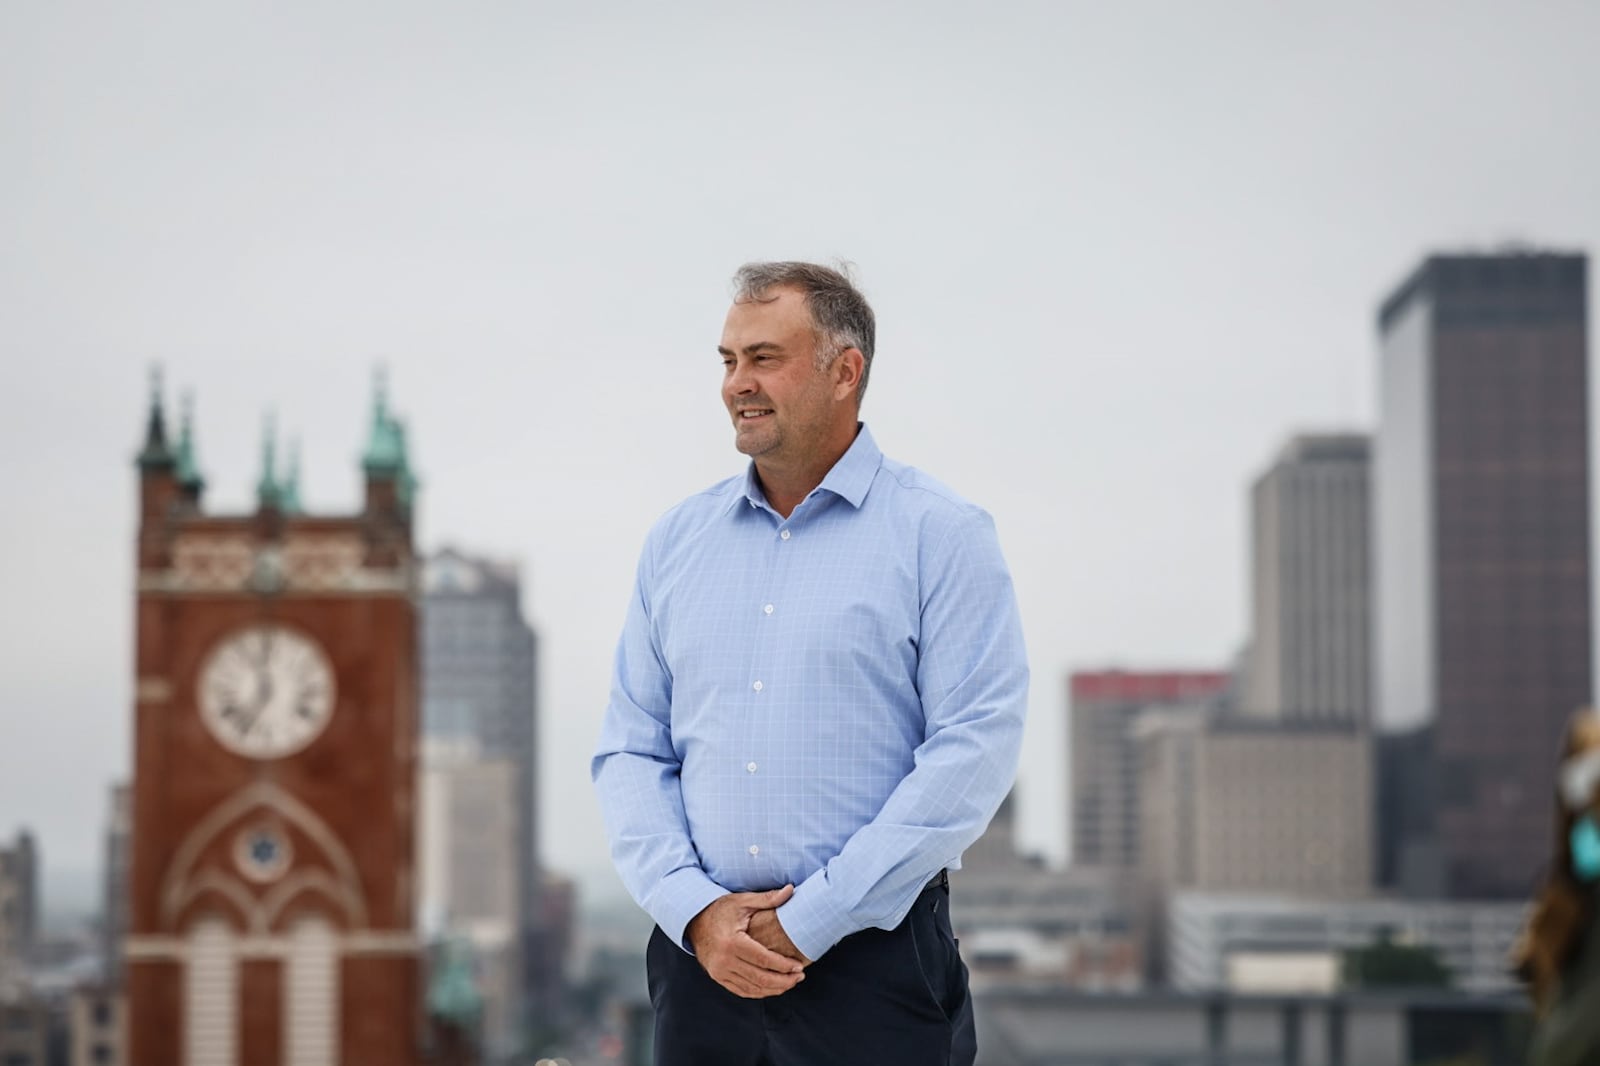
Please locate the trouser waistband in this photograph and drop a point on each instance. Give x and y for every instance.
(939, 880)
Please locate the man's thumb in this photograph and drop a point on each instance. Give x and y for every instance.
(777, 897)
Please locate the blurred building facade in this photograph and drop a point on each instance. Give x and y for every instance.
(97, 1026)
(1103, 706)
(1020, 922)
(471, 879)
(1230, 941)
(1233, 805)
(1482, 543)
(19, 911)
(480, 702)
(26, 1030)
(1311, 584)
(272, 877)
(1059, 1027)
(114, 901)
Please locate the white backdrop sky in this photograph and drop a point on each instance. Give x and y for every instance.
(1118, 254)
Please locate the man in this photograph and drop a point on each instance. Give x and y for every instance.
(817, 706)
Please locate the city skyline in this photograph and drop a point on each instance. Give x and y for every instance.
(1116, 263)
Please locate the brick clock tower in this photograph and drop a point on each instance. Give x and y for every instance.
(275, 737)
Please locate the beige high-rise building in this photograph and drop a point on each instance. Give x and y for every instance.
(1233, 806)
(97, 1021)
(1311, 583)
(471, 890)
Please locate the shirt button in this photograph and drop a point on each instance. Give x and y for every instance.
(754, 850)
(750, 767)
(767, 609)
(784, 534)
(757, 686)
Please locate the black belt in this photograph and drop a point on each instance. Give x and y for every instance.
(939, 880)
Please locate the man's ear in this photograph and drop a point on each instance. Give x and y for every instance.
(847, 368)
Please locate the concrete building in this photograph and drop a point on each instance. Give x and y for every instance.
(27, 1031)
(19, 911)
(1040, 1027)
(480, 685)
(97, 1018)
(470, 877)
(1482, 544)
(1311, 584)
(1226, 941)
(1103, 705)
(1233, 805)
(1020, 922)
(114, 920)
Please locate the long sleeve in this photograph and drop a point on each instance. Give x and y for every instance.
(972, 677)
(636, 773)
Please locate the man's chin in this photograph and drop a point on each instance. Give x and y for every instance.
(752, 443)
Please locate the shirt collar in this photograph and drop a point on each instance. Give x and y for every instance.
(849, 479)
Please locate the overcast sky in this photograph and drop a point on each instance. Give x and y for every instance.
(1119, 252)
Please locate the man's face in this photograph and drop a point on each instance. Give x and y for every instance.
(782, 405)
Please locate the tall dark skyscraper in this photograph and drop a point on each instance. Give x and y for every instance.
(1481, 550)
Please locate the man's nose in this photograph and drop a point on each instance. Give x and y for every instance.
(740, 381)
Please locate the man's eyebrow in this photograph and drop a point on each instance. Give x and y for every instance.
(752, 349)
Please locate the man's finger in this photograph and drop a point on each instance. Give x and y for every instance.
(747, 948)
(774, 899)
(768, 981)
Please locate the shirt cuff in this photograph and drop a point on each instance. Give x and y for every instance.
(812, 919)
(681, 895)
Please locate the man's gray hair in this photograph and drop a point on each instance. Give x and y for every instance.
(840, 315)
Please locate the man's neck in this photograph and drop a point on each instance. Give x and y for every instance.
(785, 487)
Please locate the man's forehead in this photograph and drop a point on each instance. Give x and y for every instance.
(786, 313)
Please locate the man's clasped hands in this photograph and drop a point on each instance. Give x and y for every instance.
(739, 941)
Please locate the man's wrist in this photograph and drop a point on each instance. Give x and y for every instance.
(684, 896)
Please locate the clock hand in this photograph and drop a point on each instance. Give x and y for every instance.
(263, 682)
(263, 699)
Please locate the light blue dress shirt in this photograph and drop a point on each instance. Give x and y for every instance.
(833, 700)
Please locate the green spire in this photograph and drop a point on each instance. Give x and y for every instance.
(386, 455)
(385, 452)
(188, 468)
(156, 454)
(268, 492)
(453, 994)
(408, 478)
(289, 495)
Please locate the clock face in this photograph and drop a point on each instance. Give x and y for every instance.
(266, 691)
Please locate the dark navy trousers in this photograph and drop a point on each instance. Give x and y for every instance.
(877, 998)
